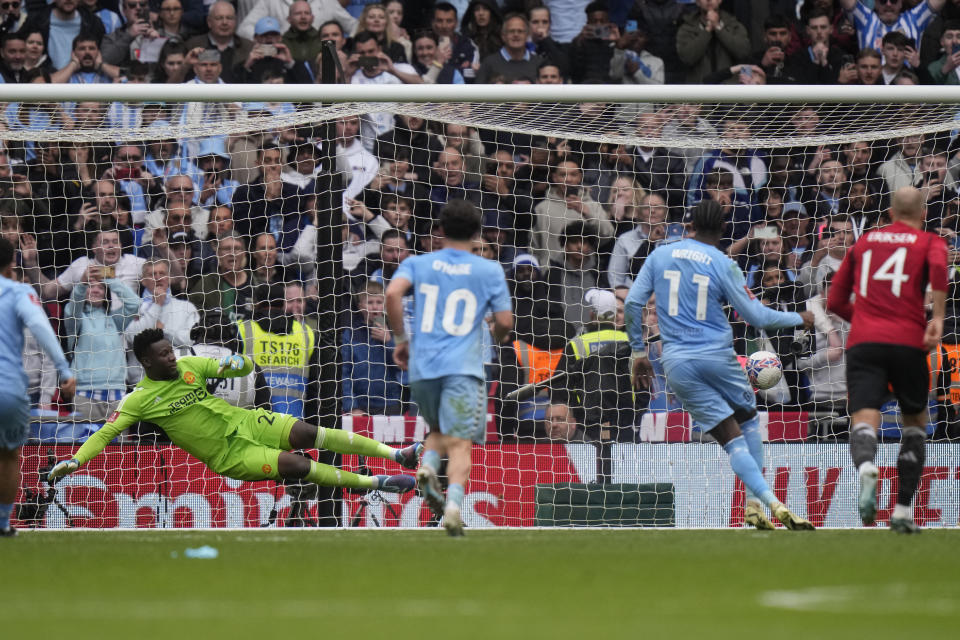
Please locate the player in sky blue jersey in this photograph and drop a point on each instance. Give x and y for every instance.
(692, 280)
(19, 308)
(453, 291)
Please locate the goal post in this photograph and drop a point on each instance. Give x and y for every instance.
(265, 208)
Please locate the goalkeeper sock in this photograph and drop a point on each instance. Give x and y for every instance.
(349, 442)
(328, 476)
(431, 459)
(5, 511)
(751, 433)
(863, 444)
(746, 469)
(910, 463)
(455, 494)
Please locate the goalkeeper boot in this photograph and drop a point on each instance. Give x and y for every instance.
(452, 521)
(9, 532)
(409, 457)
(904, 525)
(754, 516)
(867, 502)
(399, 483)
(789, 519)
(430, 490)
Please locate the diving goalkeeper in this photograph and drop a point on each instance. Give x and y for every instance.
(242, 444)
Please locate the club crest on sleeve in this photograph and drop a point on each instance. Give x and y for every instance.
(34, 299)
(189, 377)
(113, 416)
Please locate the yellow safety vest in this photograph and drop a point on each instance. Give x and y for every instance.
(587, 343)
(285, 360)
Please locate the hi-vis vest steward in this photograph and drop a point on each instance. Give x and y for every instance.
(537, 364)
(588, 343)
(285, 360)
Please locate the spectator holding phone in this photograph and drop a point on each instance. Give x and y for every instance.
(118, 45)
(594, 46)
(268, 53)
(944, 70)
(370, 378)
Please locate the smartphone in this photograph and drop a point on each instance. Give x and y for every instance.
(956, 47)
(765, 233)
(109, 272)
(369, 62)
(601, 31)
(630, 26)
(847, 60)
(268, 50)
(746, 71)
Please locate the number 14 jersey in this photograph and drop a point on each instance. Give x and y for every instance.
(452, 292)
(888, 271)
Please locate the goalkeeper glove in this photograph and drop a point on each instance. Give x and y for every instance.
(61, 469)
(232, 362)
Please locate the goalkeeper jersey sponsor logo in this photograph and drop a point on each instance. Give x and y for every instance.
(192, 397)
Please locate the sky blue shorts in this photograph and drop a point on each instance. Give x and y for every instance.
(454, 405)
(711, 388)
(14, 420)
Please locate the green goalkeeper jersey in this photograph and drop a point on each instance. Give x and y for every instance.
(195, 420)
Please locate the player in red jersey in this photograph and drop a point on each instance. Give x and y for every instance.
(889, 270)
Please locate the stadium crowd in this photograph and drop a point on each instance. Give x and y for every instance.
(184, 233)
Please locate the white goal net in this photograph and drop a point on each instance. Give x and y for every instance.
(271, 228)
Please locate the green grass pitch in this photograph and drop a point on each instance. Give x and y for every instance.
(494, 584)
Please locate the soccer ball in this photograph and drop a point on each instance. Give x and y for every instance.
(764, 369)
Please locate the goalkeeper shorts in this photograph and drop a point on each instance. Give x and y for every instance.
(253, 450)
(14, 420)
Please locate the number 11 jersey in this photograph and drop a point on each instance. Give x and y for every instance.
(888, 271)
(453, 291)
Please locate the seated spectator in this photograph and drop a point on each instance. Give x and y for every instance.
(513, 60)
(295, 305)
(171, 23)
(632, 64)
(322, 11)
(393, 251)
(772, 56)
(939, 197)
(130, 174)
(302, 39)
(621, 201)
(545, 46)
(482, 23)
(373, 20)
(894, 49)
(836, 239)
(86, 65)
(178, 193)
(358, 165)
(566, 202)
(369, 377)
(549, 73)
(59, 23)
(709, 40)
(943, 70)
(465, 56)
(576, 272)
(36, 58)
(869, 66)
(398, 211)
(222, 37)
(171, 68)
(747, 167)
(433, 61)
(270, 204)
(467, 141)
(718, 186)
(831, 185)
(370, 65)
(449, 183)
(215, 186)
(410, 138)
(505, 203)
(220, 222)
(104, 208)
(822, 62)
(593, 48)
(124, 41)
(160, 309)
(94, 329)
(108, 261)
(635, 245)
(13, 51)
(163, 157)
(560, 424)
(270, 57)
(901, 169)
(825, 365)
(264, 265)
(229, 287)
